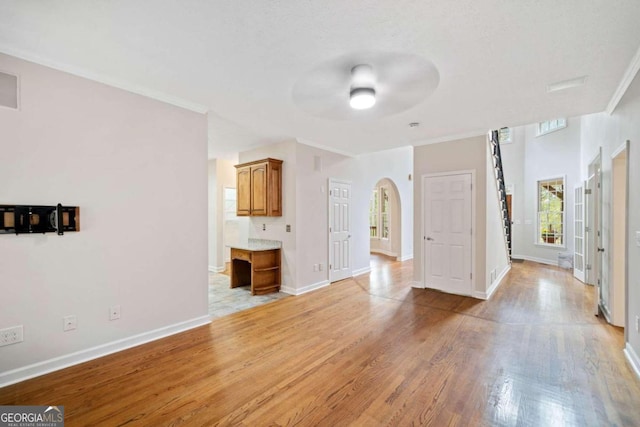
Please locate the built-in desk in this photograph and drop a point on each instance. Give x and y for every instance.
(256, 263)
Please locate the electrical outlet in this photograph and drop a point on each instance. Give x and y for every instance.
(11, 335)
(320, 267)
(288, 228)
(315, 267)
(264, 227)
(114, 312)
(69, 323)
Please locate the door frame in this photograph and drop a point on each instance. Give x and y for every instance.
(595, 213)
(615, 243)
(580, 190)
(471, 172)
(330, 181)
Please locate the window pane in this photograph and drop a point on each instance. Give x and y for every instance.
(373, 214)
(550, 212)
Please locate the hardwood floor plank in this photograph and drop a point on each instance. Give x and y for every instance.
(369, 351)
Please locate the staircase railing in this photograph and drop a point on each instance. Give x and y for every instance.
(494, 144)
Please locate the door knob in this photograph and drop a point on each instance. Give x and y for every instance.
(600, 249)
(430, 238)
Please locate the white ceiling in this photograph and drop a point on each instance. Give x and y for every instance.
(240, 59)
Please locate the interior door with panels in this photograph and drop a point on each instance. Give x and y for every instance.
(447, 232)
(339, 230)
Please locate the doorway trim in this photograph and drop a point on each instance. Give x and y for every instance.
(619, 236)
(395, 214)
(594, 221)
(424, 177)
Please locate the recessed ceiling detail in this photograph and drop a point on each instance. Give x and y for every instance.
(401, 81)
(566, 84)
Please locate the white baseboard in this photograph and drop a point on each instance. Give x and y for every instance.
(361, 271)
(304, 289)
(538, 260)
(633, 358)
(406, 257)
(213, 269)
(61, 362)
(384, 252)
(417, 284)
(496, 283)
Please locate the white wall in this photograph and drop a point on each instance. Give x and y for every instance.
(395, 165)
(222, 175)
(599, 131)
(610, 132)
(464, 154)
(305, 206)
(529, 159)
(312, 204)
(618, 246)
(275, 227)
(137, 168)
(389, 246)
(513, 166)
(497, 262)
(312, 211)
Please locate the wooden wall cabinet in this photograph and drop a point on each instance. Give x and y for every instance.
(259, 188)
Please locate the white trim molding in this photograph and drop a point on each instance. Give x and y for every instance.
(384, 252)
(495, 285)
(534, 259)
(632, 358)
(628, 77)
(109, 81)
(304, 289)
(214, 269)
(405, 257)
(64, 361)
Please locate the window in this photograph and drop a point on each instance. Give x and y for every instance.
(379, 212)
(384, 212)
(373, 214)
(551, 126)
(504, 136)
(550, 226)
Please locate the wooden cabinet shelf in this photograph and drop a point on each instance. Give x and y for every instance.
(259, 188)
(259, 269)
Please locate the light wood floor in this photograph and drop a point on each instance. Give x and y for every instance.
(370, 351)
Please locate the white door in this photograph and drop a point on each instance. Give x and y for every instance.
(578, 232)
(590, 241)
(339, 230)
(595, 250)
(447, 233)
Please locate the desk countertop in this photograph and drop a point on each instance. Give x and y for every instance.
(257, 245)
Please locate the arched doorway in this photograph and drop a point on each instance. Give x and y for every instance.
(385, 219)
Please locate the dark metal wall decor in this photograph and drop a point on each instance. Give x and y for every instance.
(25, 219)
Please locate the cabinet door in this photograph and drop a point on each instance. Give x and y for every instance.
(243, 186)
(274, 192)
(259, 189)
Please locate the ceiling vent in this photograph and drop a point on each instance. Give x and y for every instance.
(8, 90)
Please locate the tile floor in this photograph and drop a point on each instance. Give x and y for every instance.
(224, 300)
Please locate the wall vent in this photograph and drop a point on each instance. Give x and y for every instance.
(8, 90)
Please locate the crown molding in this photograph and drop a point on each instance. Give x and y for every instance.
(100, 78)
(628, 77)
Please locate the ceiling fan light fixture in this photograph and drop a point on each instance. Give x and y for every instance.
(362, 98)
